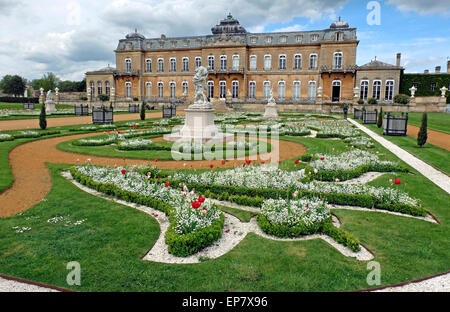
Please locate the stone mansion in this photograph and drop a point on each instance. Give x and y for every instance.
(302, 68)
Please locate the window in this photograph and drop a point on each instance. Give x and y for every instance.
(313, 61)
(210, 89)
(252, 89)
(296, 91)
(336, 91)
(283, 39)
(253, 40)
(433, 86)
(298, 61)
(364, 90)
(107, 88)
(267, 62)
(222, 89)
(339, 36)
(185, 87)
(148, 90)
(99, 88)
(185, 64)
(266, 89)
(211, 62)
(253, 62)
(299, 38)
(160, 65)
(172, 90)
(128, 90)
(186, 43)
(148, 65)
(282, 62)
(281, 90)
(235, 89)
(128, 65)
(314, 37)
(312, 90)
(268, 40)
(173, 64)
(92, 85)
(160, 90)
(223, 62)
(377, 89)
(235, 62)
(389, 90)
(337, 63)
(198, 62)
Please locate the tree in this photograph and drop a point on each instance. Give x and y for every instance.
(380, 118)
(423, 134)
(14, 85)
(48, 82)
(143, 111)
(43, 118)
(103, 97)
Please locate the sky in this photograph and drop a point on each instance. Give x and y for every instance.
(72, 37)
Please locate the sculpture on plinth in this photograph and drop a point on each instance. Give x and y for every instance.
(49, 104)
(271, 107)
(200, 99)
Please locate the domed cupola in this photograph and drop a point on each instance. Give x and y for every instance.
(228, 26)
(339, 24)
(135, 35)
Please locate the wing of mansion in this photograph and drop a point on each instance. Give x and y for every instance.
(302, 67)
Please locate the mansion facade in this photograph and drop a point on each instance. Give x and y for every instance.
(300, 67)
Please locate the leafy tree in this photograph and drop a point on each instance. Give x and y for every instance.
(14, 85)
(103, 97)
(143, 111)
(423, 134)
(49, 82)
(43, 118)
(380, 118)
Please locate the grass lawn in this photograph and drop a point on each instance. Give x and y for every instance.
(436, 121)
(433, 155)
(37, 107)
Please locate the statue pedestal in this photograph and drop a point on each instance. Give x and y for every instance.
(271, 112)
(199, 127)
(50, 107)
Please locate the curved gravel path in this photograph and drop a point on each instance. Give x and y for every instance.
(32, 178)
(436, 138)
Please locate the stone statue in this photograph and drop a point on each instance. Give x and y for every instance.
(271, 101)
(271, 107)
(413, 91)
(200, 99)
(49, 95)
(443, 91)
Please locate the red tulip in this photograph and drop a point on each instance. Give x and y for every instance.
(167, 184)
(397, 181)
(211, 166)
(248, 162)
(201, 199)
(196, 204)
(156, 159)
(322, 158)
(262, 163)
(297, 162)
(223, 162)
(227, 231)
(124, 171)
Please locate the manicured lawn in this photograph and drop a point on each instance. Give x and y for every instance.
(436, 121)
(37, 107)
(433, 155)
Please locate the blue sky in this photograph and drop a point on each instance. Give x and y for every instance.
(72, 37)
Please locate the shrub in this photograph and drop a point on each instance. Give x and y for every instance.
(372, 101)
(341, 237)
(142, 114)
(103, 97)
(423, 135)
(360, 101)
(11, 99)
(43, 118)
(135, 99)
(83, 98)
(380, 118)
(401, 99)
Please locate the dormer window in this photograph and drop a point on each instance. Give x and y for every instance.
(253, 40)
(339, 36)
(174, 44)
(299, 38)
(268, 39)
(283, 39)
(314, 37)
(161, 44)
(186, 43)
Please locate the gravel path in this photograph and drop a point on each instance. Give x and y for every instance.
(434, 284)
(437, 177)
(15, 286)
(436, 138)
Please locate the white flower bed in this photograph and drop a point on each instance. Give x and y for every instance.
(134, 143)
(296, 211)
(110, 139)
(348, 161)
(360, 141)
(5, 137)
(189, 219)
(29, 134)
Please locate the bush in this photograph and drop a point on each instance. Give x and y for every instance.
(341, 237)
(360, 101)
(285, 231)
(135, 99)
(103, 97)
(372, 101)
(11, 99)
(423, 134)
(401, 99)
(83, 98)
(43, 118)
(142, 114)
(448, 99)
(380, 118)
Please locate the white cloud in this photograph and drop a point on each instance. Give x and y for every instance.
(295, 27)
(423, 7)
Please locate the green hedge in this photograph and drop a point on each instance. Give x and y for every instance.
(341, 237)
(424, 83)
(285, 231)
(179, 245)
(40, 134)
(11, 99)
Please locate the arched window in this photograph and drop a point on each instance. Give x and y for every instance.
(389, 90)
(296, 91)
(267, 62)
(222, 89)
(160, 65)
(337, 63)
(235, 62)
(172, 90)
(185, 87)
(211, 62)
(128, 90)
(313, 61)
(148, 89)
(336, 91)
(210, 89)
(107, 88)
(223, 62)
(148, 65)
(173, 64)
(235, 89)
(376, 94)
(281, 90)
(298, 61)
(99, 88)
(312, 90)
(198, 62)
(252, 89)
(266, 89)
(364, 90)
(282, 62)
(253, 62)
(128, 65)
(92, 86)
(160, 90)
(185, 64)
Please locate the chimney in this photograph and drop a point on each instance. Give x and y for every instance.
(399, 57)
(438, 70)
(448, 67)
(426, 71)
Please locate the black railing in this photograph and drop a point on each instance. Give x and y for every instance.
(82, 110)
(133, 108)
(28, 105)
(102, 115)
(370, 118)
(357, 113)
(395, 125)
(169, 111)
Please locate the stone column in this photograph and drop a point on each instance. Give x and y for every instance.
(41, 96)
(113, 97)
(57, 95)
(89, 96)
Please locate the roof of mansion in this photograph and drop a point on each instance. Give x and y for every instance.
(375, 64)
(230, 33)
